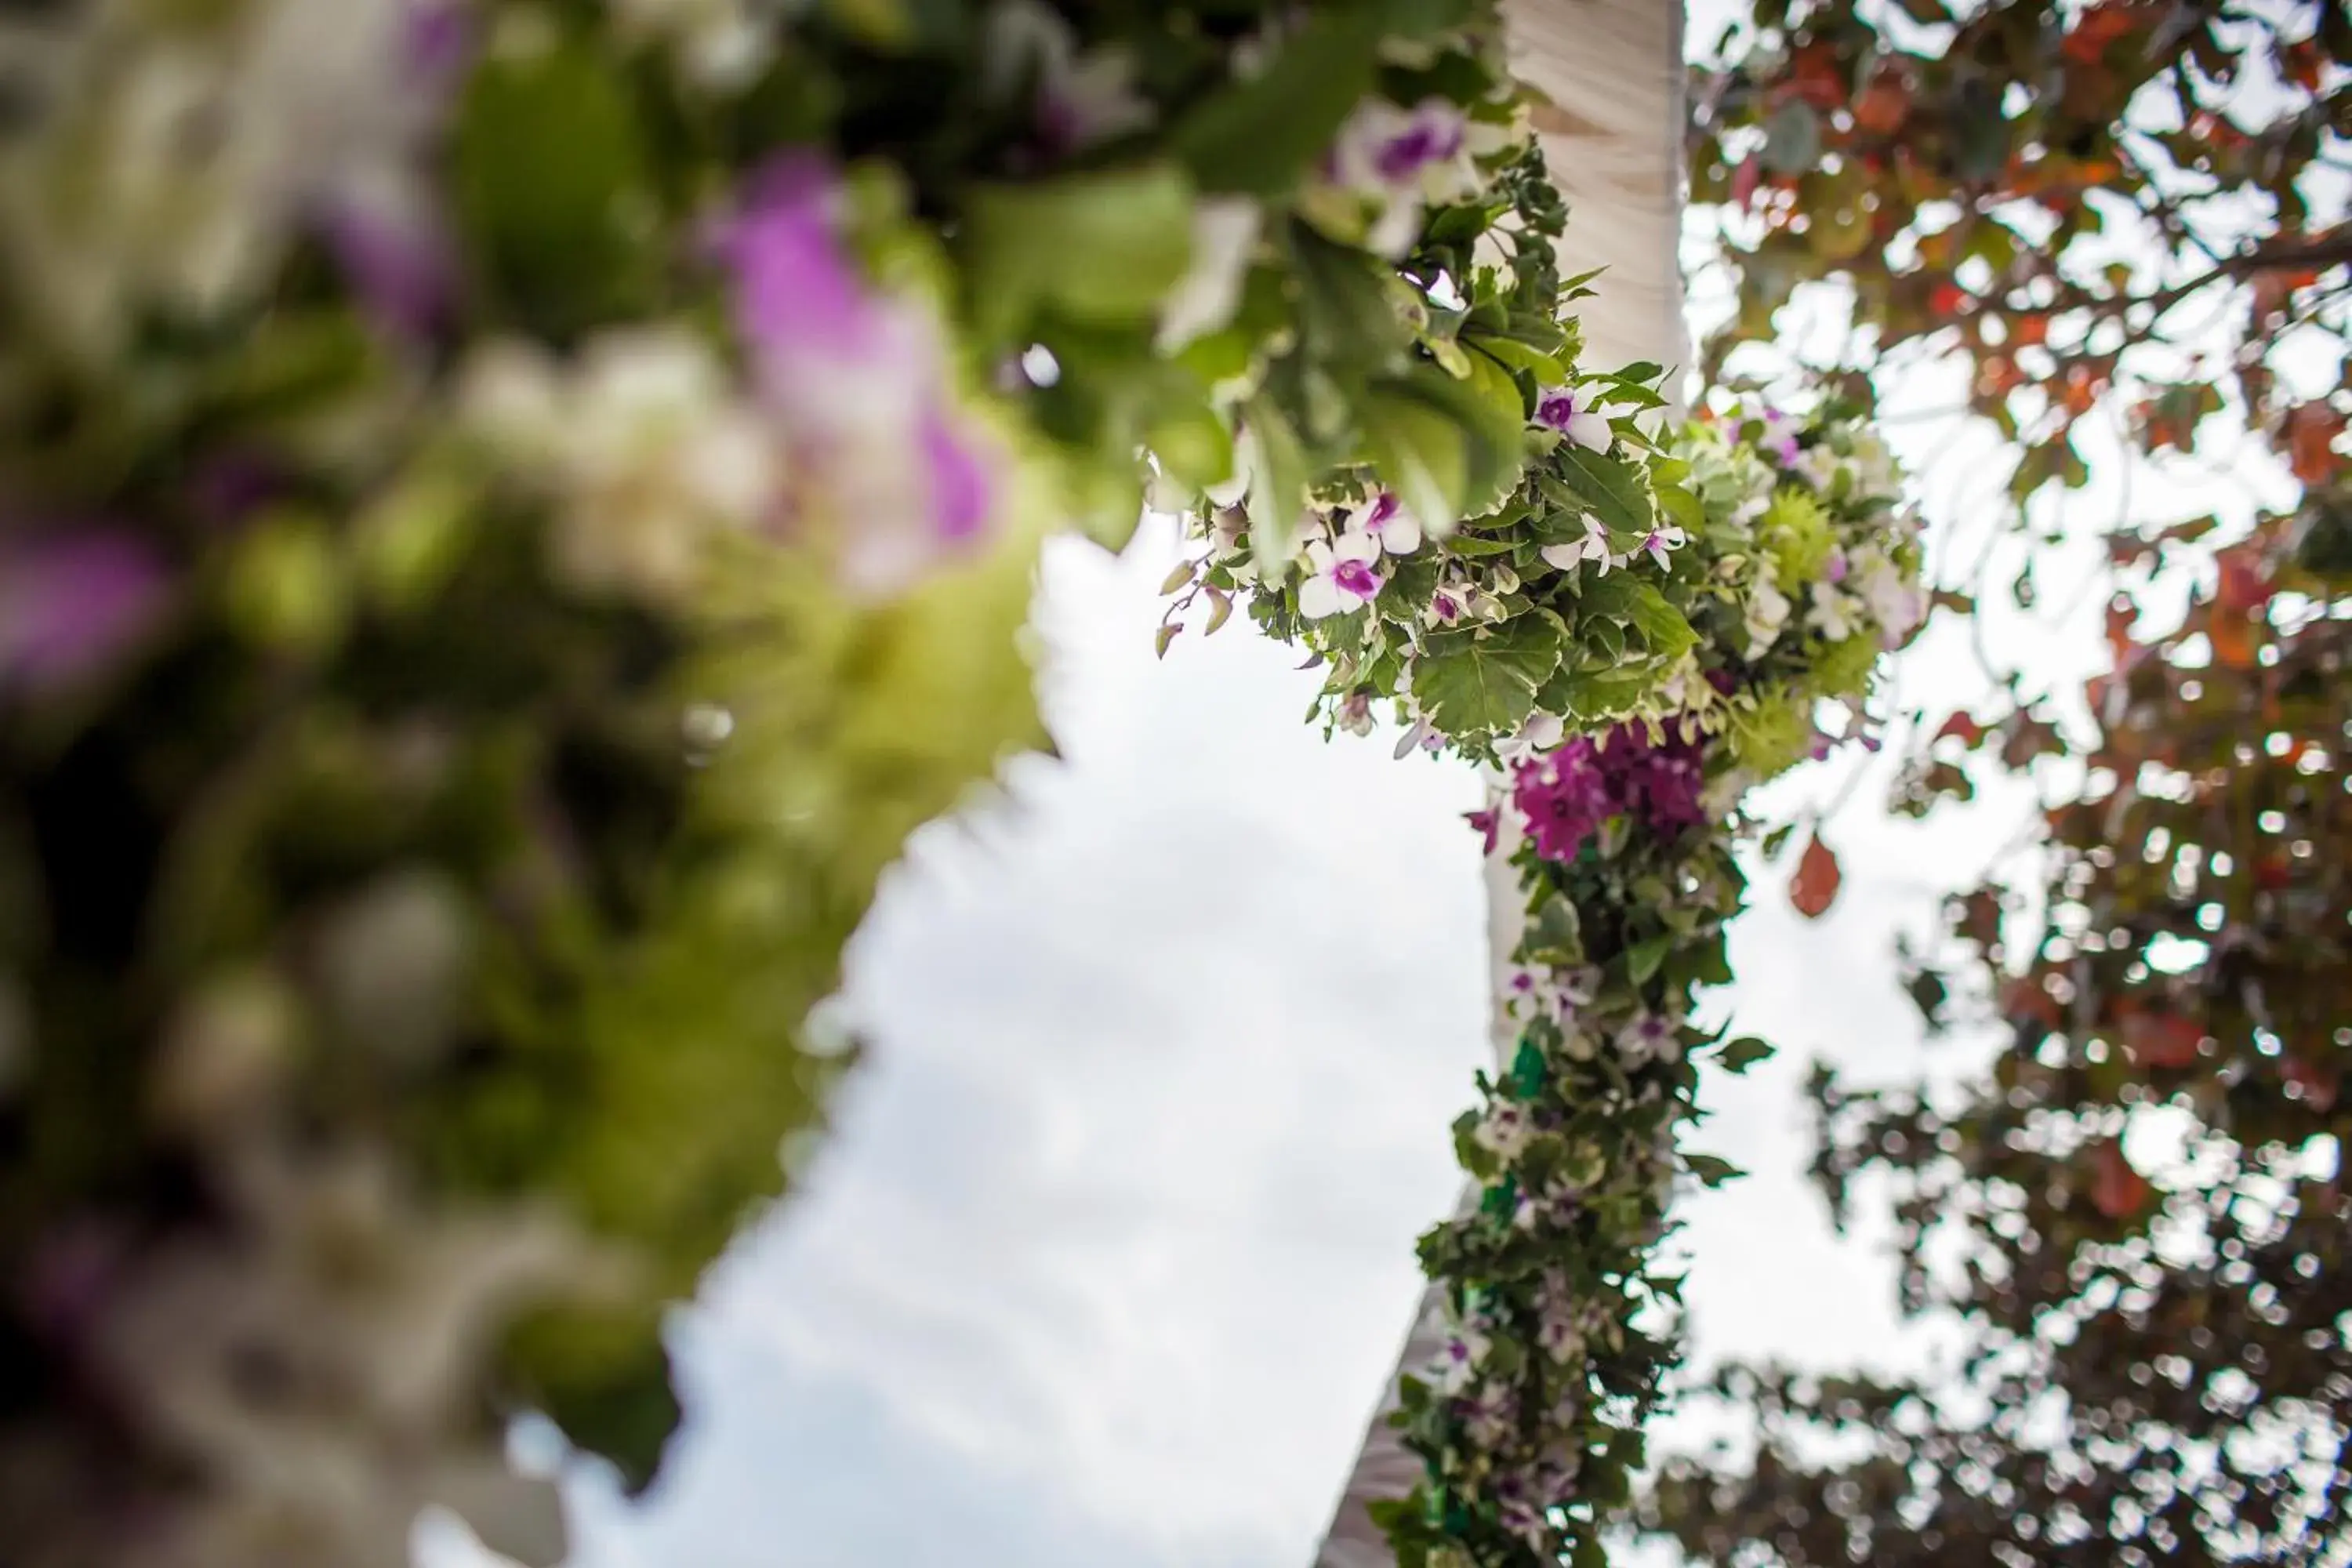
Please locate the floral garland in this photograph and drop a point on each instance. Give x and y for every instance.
(1634, 676)
(514, 509)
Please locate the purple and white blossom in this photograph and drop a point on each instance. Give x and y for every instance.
(1404, 159)
(1556, 1203)
(1390, 521)
(1504, 1130)
(1592, 547)
(1490, 1414)
(1459, 1355)
(1341, 576)
(1652, 1038)
(1540, 733)
(1562, 1322)
(1835, 615)
(1661, 542)
(1546, 993)
(1557, 410)
(1896, 601)
(1082, 96)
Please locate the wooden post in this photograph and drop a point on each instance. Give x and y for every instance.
(1612, 133)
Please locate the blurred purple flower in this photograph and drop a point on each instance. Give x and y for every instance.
(439, 43)
(961, 489)
(398, 262)
(70, 603)
(856, 378)
(799, 295)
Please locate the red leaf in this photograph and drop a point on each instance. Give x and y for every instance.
(2318, 1084)
(2026, 998)
(1815, 885)
(2242, 587)
(2119, 1191)
(1965, 726)
(2161, 1039)
(1744, 180)
(2232, 638)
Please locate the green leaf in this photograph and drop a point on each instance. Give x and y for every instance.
(1711, 1170)
(1260, 134)
(1643, 959)
(1419, 453)
(1613, 490)
(1661, 625)
(1737, 1056)
(1485, 681)
(1345, 304)
(1101, 248)
(1684, 509)
(1792, 138)
(1277, 487)
(1622, 597)
(550, 171)
(1486, 408)
(1544, 366)
(1191, 444)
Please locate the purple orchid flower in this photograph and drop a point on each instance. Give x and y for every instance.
(1434, 135)
(1558, 410)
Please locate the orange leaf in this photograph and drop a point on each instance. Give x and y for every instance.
(1815, 885)
(2243, 589)
(2119, 1191)
(2122, 616)
(1815, 77)
(1883, 104)
(2095, 29)
(2233, 641)
(2310, 432)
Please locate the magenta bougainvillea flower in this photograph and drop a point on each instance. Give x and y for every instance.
(1566, 795)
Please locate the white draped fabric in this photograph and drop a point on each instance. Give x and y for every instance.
(1612, 134)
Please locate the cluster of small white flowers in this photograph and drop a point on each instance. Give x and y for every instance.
(643, 444)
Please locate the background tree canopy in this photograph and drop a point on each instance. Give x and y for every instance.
(2128, 216)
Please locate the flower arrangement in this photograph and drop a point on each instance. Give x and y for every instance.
(511, 510)
(1645, 628)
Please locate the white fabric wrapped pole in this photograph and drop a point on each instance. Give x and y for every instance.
(1612, 133)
